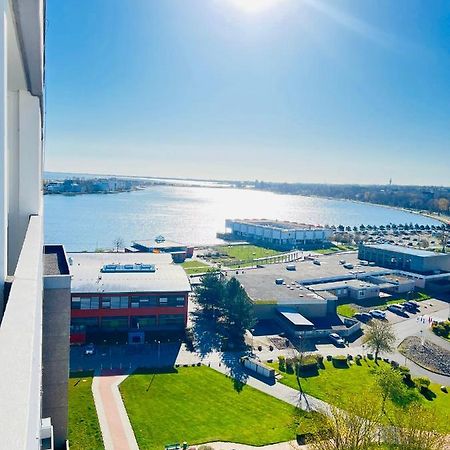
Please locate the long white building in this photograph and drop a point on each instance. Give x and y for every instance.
(279, 234)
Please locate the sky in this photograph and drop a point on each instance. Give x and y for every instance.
(327, 91)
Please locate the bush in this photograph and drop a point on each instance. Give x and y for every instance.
(403, 369)
(369, 356)
(319, 359)
(422, 383)
(340, 361)
(306, 364)
(260, 348)
(289, 366)
(329, 357)
(282, 363)
(271, 348)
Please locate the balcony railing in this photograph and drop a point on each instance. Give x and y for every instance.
(20, 348)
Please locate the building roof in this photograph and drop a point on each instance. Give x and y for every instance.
(405, 250)
(55, 262)
(88, 277)
(160, 245)
(353, 283)
(294, 317)
(280, 224)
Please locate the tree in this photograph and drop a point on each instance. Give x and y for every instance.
(379, 337)
(118, 243)
(354, 428)
(414, 428)
(424, 243)
(238, 310)
(210, 293)
(390, 382)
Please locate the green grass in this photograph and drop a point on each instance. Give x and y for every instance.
(198, 405)
(246, 252)
(346, 310)
(84, 429)
(333, 249)
(195, 267)
(339, 386)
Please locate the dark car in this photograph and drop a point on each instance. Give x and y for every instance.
(411, 307)
(363, 317)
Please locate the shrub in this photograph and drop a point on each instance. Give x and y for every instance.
(395, 364)
(260, 348)
(289, 366)
(340, 361)
(319, 359)
(307, 364)
(422, 383)
(349, 357)
(329, 357)
(369, 356)
(271, 347)
(403, 369)
(282, 363)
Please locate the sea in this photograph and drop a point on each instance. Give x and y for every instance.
(194, 214)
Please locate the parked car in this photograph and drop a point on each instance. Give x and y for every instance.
(348, 266)
(413, 302)
(316, 262)
(397, 309)
(336, 339)
(342, 261)
(89, 349)
(377, 314)
(411, 307)
(363, 317)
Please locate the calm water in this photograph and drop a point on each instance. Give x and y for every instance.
(192, 214)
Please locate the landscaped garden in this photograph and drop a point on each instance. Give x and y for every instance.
(198, 405)
(84, 429)
(339, 382)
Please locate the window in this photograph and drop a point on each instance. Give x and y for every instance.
(143, 322)
(163, 300)
(106, 302)
(123, 302)
(171, 320)
(76, 302)
(81, 323)
(115, 302)
(114, 322)
(180, 302)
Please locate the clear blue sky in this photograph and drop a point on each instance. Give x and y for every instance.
(333, 91)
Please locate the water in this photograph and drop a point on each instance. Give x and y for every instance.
(193, 215)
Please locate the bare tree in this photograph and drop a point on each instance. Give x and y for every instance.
(356, 428)
(118, 243)
(444, 238)
(379, 337)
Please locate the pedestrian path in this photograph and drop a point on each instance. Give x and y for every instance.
(114, 422)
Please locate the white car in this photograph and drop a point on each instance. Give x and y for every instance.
(336, 339)
(377, 314)
(89, 350)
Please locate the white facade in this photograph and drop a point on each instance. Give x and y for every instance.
(21, 230)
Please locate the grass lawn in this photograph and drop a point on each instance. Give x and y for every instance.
(339, 386)
(84, 429)
(346, 310)
(194, 267)
(333, 249)
(198, 404)
(246, 252)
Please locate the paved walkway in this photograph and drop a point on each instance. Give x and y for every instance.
(114, 423)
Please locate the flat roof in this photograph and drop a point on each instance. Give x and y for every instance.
(87, 275)
(396, 278)
(55, 262)
(281, 224)
(294, 317)
(260, 285)
(405, 250)
(354, 283)
(151, 243)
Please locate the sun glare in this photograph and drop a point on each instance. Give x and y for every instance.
(254, 6)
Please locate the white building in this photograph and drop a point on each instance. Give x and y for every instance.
(21, 231)
(279, 234)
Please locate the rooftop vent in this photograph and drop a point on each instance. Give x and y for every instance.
(135, 268)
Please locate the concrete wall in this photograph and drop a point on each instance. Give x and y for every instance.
(55, 354)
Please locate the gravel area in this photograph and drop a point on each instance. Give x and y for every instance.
(430, 356)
